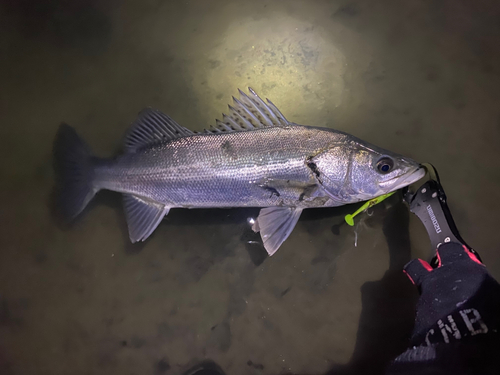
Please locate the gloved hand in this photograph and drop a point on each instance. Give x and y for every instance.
(459, 298)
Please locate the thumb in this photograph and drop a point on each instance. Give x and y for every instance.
(416, 270)
(452, 252)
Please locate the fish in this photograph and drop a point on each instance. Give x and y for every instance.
(253, 157)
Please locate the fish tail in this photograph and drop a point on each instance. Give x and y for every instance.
(74, 167)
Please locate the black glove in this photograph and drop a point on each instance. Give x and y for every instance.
(459, 298)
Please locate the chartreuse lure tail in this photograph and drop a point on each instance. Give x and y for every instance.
(349, 219)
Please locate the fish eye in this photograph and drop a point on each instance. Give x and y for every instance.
(385, 165)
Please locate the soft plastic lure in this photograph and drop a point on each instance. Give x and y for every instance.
(349, 219)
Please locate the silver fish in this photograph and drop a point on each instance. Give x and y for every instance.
(254, 157)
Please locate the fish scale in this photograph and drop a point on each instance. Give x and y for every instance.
(220, 170)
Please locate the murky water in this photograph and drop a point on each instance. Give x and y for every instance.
(418, 78)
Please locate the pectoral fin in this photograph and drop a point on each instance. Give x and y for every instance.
(142, 216)
(275, 225)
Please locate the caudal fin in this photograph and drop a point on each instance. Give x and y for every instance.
(74, 172)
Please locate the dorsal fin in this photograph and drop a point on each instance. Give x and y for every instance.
(268, 109)
(250, 112)
(153, 126)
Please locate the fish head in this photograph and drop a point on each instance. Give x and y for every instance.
(361, 172)
(376, 171)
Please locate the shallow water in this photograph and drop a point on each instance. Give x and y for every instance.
(418, 78)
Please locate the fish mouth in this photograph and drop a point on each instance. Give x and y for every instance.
(404, 180)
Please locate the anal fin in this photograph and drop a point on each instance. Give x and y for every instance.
(142, 216)
(275, 225)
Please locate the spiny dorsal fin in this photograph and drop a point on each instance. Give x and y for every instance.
(153, 126)
(250, 112)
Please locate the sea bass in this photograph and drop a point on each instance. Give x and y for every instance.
(254, 157)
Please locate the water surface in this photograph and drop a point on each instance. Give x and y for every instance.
(418, 78)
